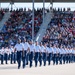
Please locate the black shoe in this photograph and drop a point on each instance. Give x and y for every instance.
(2, 63)
(18, 67)
(35, 65)
(30, 66)
(23, 67)
(48, 63)
(26, 63)
(40, 65)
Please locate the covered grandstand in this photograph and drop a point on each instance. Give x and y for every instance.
(53, 27)
(33, 15)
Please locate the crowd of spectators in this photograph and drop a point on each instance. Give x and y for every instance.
(2, 12)
(61, 29)
(20, 25)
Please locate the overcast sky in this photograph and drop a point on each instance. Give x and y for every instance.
(39, 5)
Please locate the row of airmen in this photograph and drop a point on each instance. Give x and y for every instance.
(29, 51)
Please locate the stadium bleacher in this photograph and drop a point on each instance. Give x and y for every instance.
(61, 29)
(20, 25)
(1, 14)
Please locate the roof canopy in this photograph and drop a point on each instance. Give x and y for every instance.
(37, 0)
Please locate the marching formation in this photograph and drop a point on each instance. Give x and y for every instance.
(27, 52)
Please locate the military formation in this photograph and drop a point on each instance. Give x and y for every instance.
(30, 51)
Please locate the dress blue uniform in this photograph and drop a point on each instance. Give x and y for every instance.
(57, 55)
(12, 55)
(31, 53)
(54, 55)
(19, 49)
(61, 55)
(25, 53)
(7, 51)
(45, 55)
(37, 50)
(64, 56)
(49, 55)
(74, 55)
(41, 54)
(2, 55)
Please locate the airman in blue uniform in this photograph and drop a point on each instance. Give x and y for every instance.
(37, 50)
(25, 54)
(2, 55)
(19, 49)
(31, 52)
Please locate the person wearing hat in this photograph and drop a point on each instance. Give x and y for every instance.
(55, 55)
(12, 57)
(60, 54)
(31, 52)
(45, 54)
(49, 54)
(7, 52)
(41, 53)
(64, 55)
(19, 49)
(2, 55)
(25, 52)
(37, 50)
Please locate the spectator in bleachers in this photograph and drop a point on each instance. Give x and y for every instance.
(61, 29)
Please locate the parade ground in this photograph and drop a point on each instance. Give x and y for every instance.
(65, 69)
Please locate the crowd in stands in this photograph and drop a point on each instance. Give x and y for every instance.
(61, 29)
(2, 12)
(20, 25)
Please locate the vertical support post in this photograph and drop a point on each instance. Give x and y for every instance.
(11, 7)
(51, 5)
(43, 10)
(33, 21)
(11, 3)
(0, 5)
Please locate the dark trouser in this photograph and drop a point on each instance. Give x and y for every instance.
(74, 57)
(70, 58)
(64, 58)
(54, 59)
(19, 53)
(36, 58)
(31, 58)
(60, 58)
(11, 58)
(15, 57)
(67, 58)
(2, 59)
(24, 55)
(6, 58)
(40, 58)
(57, 58)
(44, 58)
(49, 58)
(27, 58)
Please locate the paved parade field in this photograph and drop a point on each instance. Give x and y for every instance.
(67, 69)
